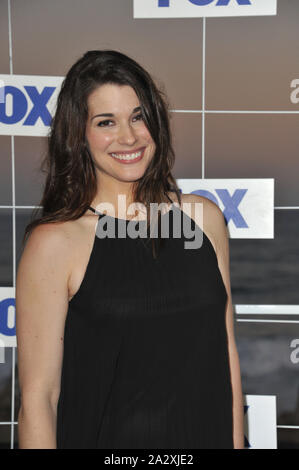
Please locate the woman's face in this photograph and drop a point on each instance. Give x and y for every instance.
(119, 141)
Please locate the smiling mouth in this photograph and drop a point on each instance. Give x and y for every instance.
(129, 157)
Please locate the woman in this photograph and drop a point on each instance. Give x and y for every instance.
(122, 342)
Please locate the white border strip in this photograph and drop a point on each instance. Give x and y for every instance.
(249, 320)
(235, 111)
(267, 309)
(288, 427)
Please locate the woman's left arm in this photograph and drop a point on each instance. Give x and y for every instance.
(221, 239)
(212, 221)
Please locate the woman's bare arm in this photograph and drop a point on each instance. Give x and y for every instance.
(41, 307)
(222, 246)
(216, 221)
(214, 226)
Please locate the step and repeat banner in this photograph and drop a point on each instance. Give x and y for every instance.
(202, 8)
(28, 100)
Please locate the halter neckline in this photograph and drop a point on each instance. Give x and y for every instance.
(100, 213)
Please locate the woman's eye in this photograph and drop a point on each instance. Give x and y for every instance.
(104, 123)
(138, 117)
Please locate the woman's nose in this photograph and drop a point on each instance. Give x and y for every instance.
(126, 135)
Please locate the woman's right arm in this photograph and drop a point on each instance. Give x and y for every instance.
(41, 307)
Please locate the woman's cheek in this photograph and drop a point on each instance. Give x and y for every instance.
(146, 135)
(103, 141)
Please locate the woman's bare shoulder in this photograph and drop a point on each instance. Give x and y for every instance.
(208, 217)
(60, 235)
(49, 236)
(56, 239)
(58, 246)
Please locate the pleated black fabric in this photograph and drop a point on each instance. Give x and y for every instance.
(145, 362)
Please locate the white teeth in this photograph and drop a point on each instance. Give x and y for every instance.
(130, 156)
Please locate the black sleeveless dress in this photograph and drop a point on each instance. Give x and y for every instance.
(145, 362)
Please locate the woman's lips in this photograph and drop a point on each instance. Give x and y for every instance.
(128, 161)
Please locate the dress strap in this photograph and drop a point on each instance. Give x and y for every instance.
(168, 197)
(92, 209)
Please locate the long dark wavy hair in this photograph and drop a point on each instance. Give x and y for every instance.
(71, 182)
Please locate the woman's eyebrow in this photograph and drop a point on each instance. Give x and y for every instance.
(135, 110)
